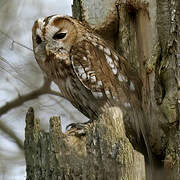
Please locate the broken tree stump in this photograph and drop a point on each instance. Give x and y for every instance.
(100, 151)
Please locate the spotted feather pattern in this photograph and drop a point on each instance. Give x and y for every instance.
(88, 71)
(96, 65)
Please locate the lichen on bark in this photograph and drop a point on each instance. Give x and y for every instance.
(100, 151)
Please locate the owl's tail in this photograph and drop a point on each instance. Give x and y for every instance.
(141, 122)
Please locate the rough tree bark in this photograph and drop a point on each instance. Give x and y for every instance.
(102, 151)
(147, 34)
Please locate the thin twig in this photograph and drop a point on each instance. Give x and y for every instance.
(13, 70)
(11, 134)
(44, 89)
(71, 116)
(15, 42)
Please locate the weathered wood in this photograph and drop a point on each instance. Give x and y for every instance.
(99, 15)
(99, 151)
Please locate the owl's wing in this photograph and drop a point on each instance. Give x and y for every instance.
(98, 67)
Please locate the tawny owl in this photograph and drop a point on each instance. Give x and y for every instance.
(87, 70)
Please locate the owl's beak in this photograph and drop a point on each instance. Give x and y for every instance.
(47, 50)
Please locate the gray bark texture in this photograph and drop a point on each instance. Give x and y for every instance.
(147, 34)
(101, 151)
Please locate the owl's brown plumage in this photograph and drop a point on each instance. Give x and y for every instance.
(87, 70)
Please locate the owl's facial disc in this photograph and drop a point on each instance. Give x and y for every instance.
(52, 34)
(38, 39)
(37, 32)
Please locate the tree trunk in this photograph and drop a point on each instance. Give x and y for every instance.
(101, 151)
(147, 34)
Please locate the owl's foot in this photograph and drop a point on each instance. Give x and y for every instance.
(78, 129)
(78, 125)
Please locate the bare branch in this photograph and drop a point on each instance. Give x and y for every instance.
(44, 89)
(11, 72)
(12, 135)
(71, 116)
(15, 42)
(55, 93)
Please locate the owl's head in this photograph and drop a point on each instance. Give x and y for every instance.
(53, 33)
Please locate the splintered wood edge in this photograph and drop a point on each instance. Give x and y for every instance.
(112, 119)
(109, 128)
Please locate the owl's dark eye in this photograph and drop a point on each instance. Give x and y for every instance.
(59, 36)
(38, 39)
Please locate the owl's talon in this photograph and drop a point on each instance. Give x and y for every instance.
(77, 129)
(77, 126)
